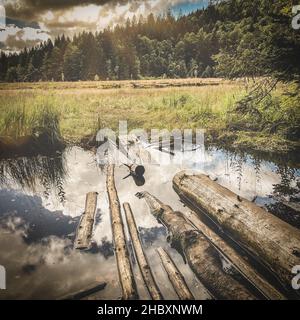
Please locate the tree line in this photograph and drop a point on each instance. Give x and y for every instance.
(234, 38)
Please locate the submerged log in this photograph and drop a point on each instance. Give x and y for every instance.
(243, 267)
(140, 255)
(266, 237)
(84, 292)
(85, 227)
(175, 276)
(129, 290)
(202, 257)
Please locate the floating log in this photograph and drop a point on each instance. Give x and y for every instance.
(85, 227)
(175, 276)
(140, 255)
(202, 257)
(85, 292)
(230, 254)
(266, 237)
(129, 290)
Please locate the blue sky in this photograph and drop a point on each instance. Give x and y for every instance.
(189, 7)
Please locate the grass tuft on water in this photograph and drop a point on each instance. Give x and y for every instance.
(29, 128)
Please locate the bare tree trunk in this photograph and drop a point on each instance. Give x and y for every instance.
(140, 255)
(175, 276)
(129, 291)
(269, 239)
(201, 256)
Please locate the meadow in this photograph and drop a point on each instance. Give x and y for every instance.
(77, 110)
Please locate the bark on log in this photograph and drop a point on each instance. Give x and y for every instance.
(266, 237)
(85, 292)
(175, 276)
(248, 272)
(128, 285)
(202, 257)
(140, 255)
(85, 227)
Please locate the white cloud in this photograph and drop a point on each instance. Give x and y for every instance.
(54, 270)
(76, 19)
(14, 38)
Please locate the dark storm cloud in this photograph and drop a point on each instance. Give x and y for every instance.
(56, 17)
(31, 9)
(22, 24)
(70, 24)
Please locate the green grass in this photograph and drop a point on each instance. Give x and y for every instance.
(23, 118)
(81, 109)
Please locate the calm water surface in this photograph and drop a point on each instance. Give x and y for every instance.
(42, 199)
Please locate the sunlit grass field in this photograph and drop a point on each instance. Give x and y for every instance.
(84, 107)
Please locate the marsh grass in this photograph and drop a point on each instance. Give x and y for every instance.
(23, 117)
(80, 110)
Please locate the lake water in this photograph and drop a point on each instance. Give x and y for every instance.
(42, 199)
